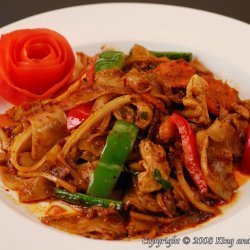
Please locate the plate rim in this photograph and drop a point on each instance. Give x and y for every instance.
(59, 233)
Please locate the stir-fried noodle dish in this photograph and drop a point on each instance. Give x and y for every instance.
(138, 145)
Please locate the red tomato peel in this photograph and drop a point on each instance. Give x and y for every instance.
(34, 64)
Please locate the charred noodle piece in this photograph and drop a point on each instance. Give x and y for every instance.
(192, 197)
(189, 146)
(86, 200)
(92, 120)
(119, 144)
(110, 60)
(173, 55)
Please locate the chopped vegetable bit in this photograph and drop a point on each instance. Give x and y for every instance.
(110, 60)
(119, 143)
(144, 115)
(86, 200)
(157, 176)
(187, 56)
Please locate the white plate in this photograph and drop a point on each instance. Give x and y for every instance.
(220, 42)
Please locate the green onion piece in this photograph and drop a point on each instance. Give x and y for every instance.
(187, 56)
(86, 200)
(157, 176)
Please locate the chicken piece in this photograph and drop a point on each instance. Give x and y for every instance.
(176, 72)
(195, 101)
(47, 128)
(35, 189)
(219, 95)
(154, 157)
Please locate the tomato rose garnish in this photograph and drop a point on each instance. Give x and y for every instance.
(34, 64)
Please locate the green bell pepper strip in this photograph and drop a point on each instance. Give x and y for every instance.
(86, 200)
(110, 60)
(157, 176)
(119, 143)
(187, 56)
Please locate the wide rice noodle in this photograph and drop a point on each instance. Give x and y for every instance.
(192, 197)
(92, 120)
(20, 142)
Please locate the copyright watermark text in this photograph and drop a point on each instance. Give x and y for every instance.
(174, 240)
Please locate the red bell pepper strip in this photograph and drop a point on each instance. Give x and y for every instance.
(245, 163)
(88, 74)
(77, 115)
(191, 156)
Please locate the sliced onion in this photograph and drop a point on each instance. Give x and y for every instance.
(92, 120)
(217, 186)
(217, 131)
(192, 197)
(21, 142)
